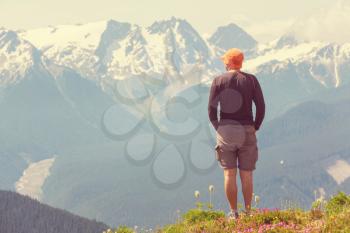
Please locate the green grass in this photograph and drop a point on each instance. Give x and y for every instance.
(324, 216)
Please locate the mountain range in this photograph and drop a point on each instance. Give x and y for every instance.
(106, 51)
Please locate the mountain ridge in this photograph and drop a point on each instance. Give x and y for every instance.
(21, 214)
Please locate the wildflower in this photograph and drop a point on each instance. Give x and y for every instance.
(211, 188)
(257, 199)
(196, 194)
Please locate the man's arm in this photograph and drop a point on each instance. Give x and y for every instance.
(259, 102)
(213, 105)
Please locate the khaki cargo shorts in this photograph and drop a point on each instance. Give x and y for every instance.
(236, 147)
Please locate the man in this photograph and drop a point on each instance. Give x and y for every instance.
(233, 92)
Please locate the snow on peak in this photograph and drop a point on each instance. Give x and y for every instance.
(114, 31)
(72, 45)
(326, 63)
(125, 54)
(182, 44)
(16, 57)
(86, 48)
(287, 40)
(10, 38)
(116, 50)
(85, 35)
(293, 53)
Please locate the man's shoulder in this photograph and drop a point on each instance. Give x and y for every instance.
(226, 76)
(248, 74)
(222, 76)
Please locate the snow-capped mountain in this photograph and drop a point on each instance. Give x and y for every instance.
(182, 44)
(109, 50)
(116, 50)
(17, 56)
(291, 70)
(72, 46)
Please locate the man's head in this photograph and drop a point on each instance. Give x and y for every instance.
(233, 59)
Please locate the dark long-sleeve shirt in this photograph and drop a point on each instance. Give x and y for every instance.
(235, 92)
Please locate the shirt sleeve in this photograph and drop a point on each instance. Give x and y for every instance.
(213, 105)
(259, 102)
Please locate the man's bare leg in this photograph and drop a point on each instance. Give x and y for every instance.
(247, 187)
(231, 187)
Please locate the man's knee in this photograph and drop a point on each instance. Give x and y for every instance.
(230, 172)
(246, 172)
(246, 175)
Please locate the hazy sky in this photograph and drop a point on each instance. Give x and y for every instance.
(265, 19)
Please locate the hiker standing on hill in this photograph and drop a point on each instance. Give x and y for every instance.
(234, 92)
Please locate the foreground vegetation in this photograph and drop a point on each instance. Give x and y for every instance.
(324, 216)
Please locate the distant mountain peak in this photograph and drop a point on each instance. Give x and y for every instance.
(8, 36)
(162, 26)
(10, 41)
(183, 43)
(231, 35)
(116, 30)
(17, 56)
(232, 26)
(289, 39)
(113, 22)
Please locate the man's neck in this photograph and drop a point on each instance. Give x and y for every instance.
(233, 70)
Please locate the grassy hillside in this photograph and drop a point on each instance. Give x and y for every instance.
(324, 216)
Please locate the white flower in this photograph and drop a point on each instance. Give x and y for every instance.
(211, 188)
(196, 194)
(257, 199)
(281, 162)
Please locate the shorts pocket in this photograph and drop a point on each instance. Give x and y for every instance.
(217, 154)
